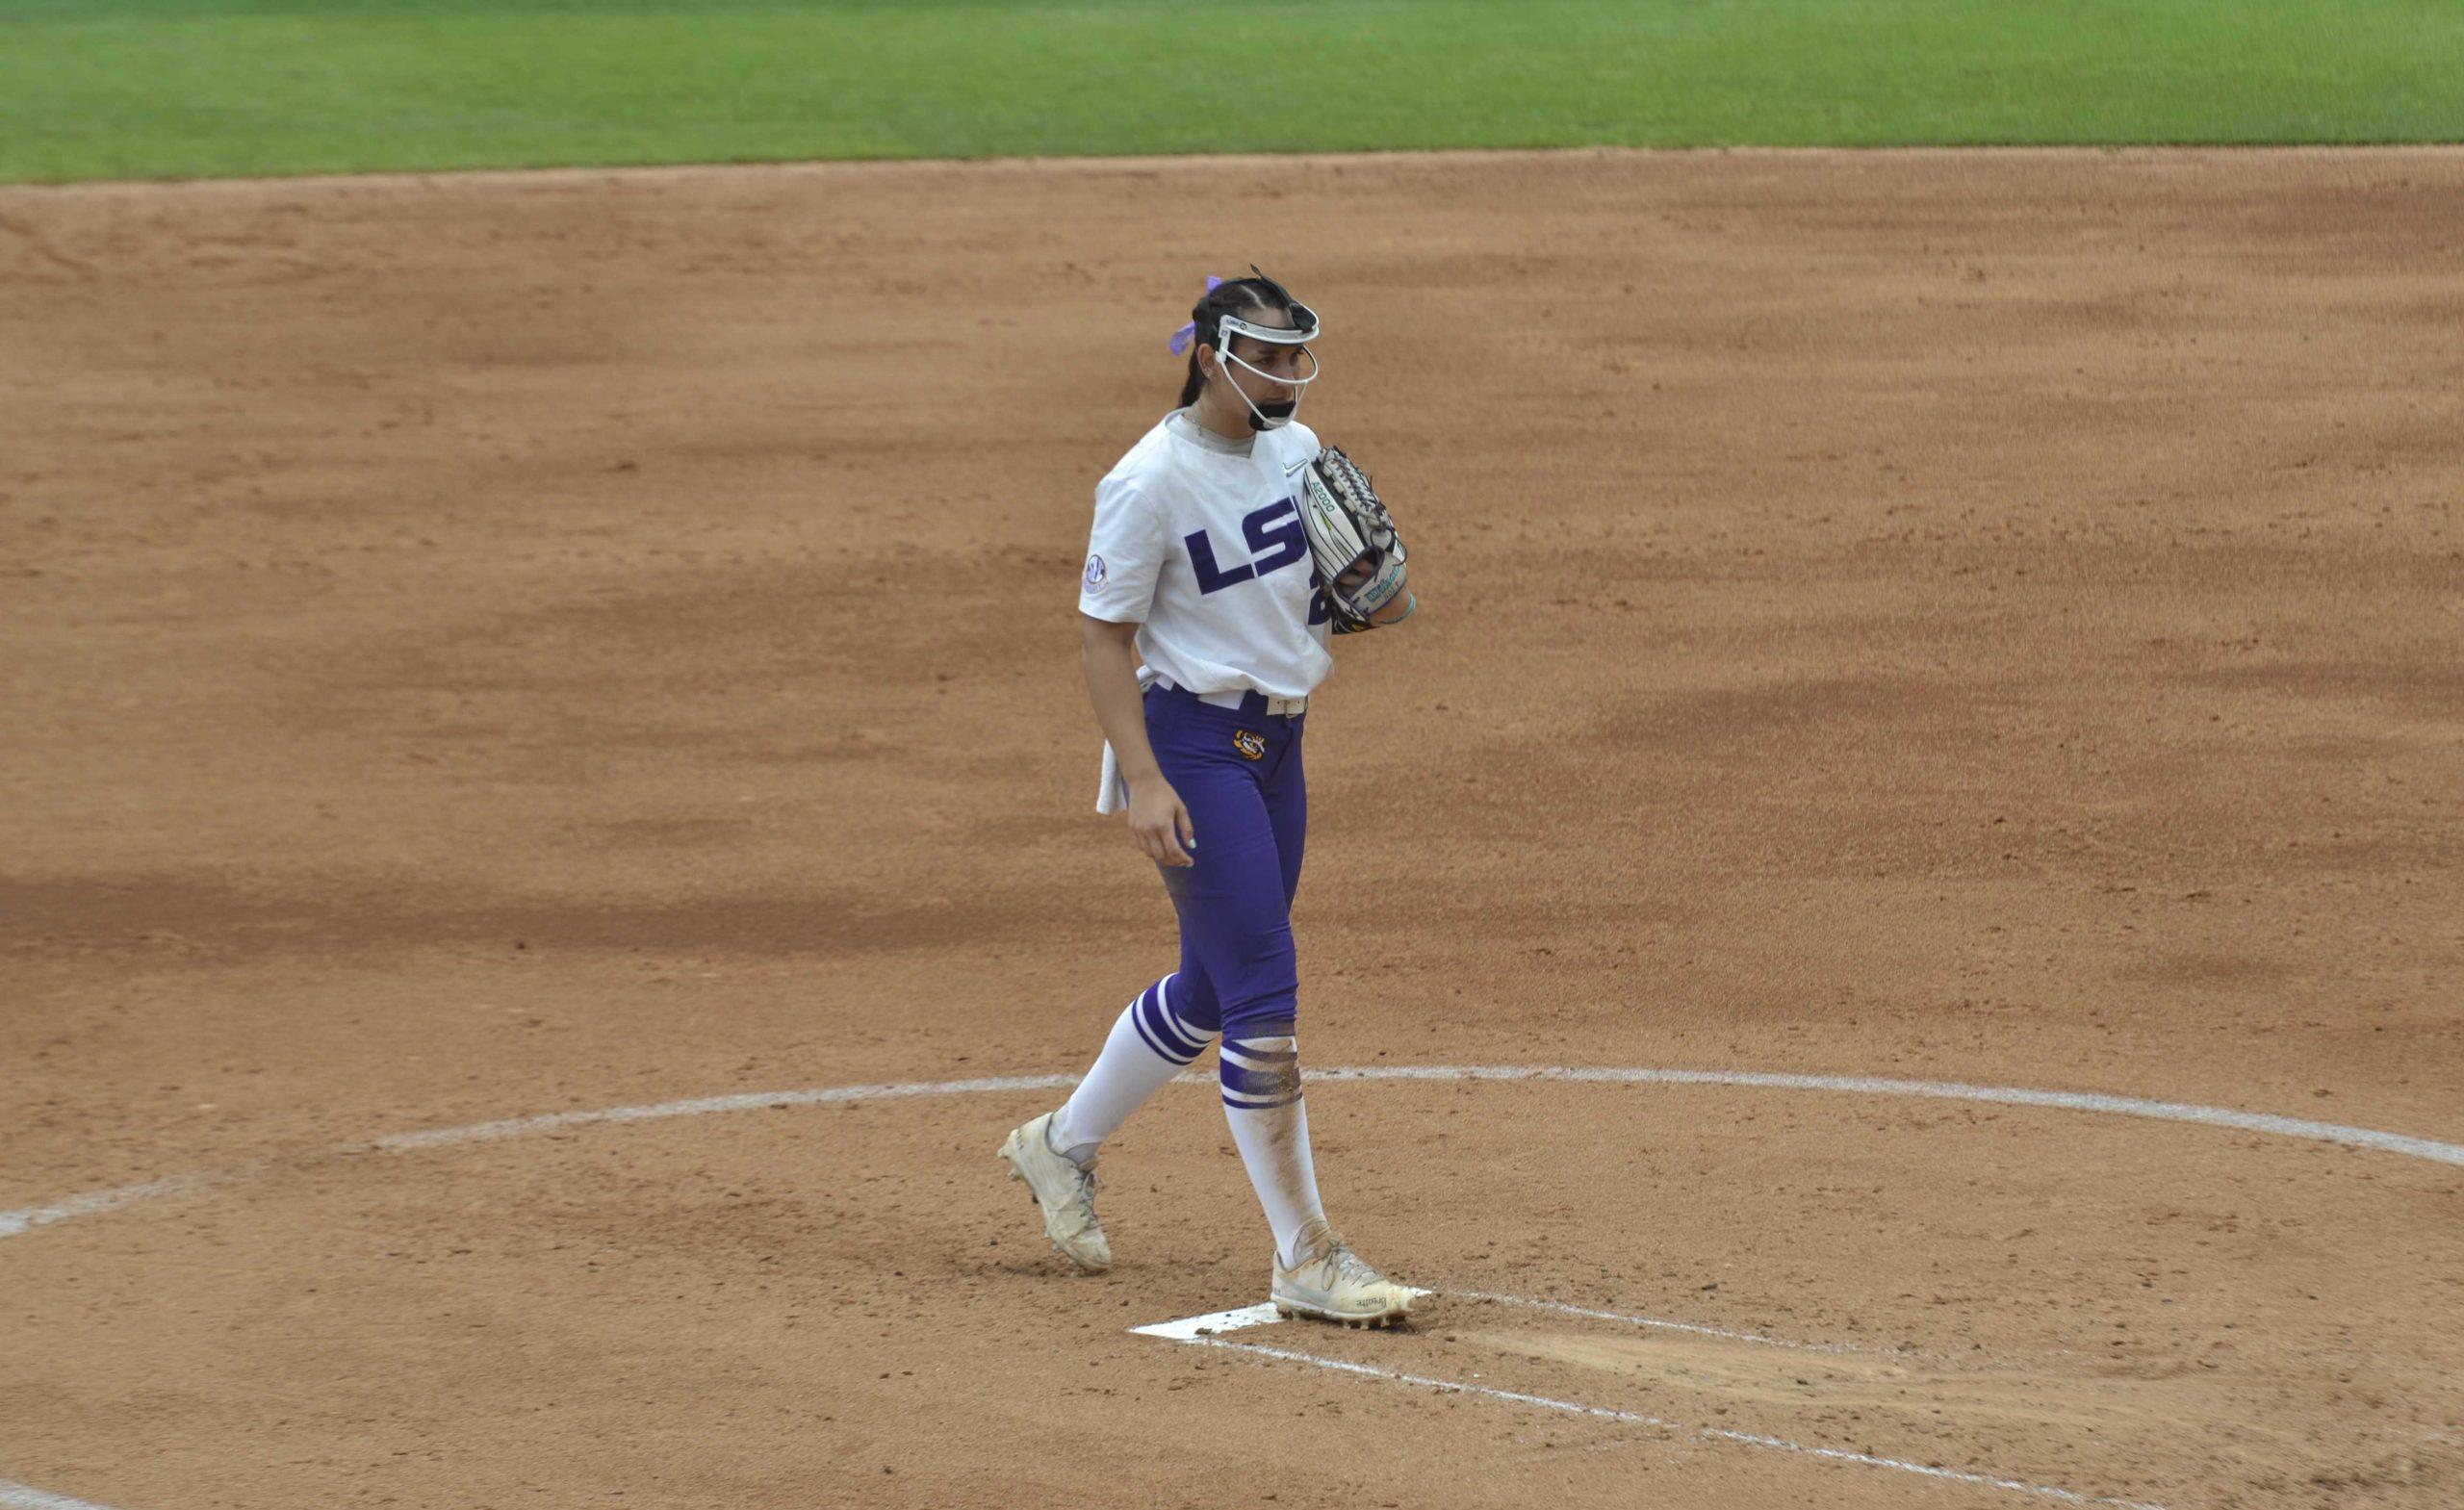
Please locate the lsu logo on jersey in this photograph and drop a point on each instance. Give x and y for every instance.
(1252, 747)
(1276, 539)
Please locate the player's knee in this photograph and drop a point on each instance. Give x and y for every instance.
(1266, 1002)
(1165, 1027)
(1267, 1014)
(1190, 998)
(1260, 998)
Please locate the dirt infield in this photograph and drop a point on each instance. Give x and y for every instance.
(516, 644)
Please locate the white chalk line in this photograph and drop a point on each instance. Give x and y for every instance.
(700, 1106)
(1942, 1091)
(24, 1219)
(1631, 1418)
(26, 1496)
(1207, 1330)
(1263, 1314)
(94, 1202)
(1662, 1323)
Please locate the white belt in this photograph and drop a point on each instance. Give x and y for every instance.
(1276, 707)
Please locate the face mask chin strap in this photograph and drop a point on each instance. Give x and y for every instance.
(1259, 418)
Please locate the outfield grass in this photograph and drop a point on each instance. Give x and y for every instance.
(142, 89)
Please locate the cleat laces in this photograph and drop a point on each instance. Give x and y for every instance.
(1088, 1182)
(1344, 1264)
(1339, 1260)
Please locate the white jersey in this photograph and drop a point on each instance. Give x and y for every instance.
(1201, 546)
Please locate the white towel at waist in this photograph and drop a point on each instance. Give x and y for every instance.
(1112, 789)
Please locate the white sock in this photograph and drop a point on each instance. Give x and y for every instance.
(1135, 1063)
(1273, 1139)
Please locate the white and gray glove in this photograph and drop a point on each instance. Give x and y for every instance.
(1352, 539)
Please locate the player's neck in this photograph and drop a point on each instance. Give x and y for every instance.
(1232, 427)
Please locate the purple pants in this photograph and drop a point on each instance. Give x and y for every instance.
(1239, 773)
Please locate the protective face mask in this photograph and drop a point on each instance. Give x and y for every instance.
(1274, 416)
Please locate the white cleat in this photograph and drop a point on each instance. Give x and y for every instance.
(1331, 1284)
(1064, 1191)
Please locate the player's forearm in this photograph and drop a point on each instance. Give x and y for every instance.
(1112, 684)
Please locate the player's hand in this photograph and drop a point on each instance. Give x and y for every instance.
(1160, 824)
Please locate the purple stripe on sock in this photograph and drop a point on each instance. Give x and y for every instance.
(1271, 1078)
(1156, 1026)
(1200, 1036)
(1161, 1052)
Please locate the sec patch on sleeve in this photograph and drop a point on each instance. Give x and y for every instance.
(1096, 571)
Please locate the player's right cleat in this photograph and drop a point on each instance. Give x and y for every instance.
(1064, 1191)
(1332, 1284)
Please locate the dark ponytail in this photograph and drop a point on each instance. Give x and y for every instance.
(1229, 297)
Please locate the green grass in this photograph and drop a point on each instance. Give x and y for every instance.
(145, 89)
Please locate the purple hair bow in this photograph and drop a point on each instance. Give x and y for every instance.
(1188, 333)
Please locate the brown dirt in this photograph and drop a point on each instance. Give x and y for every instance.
(509, 644)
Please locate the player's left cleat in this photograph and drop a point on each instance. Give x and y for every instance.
(1332, 1284)
(1065, 1191)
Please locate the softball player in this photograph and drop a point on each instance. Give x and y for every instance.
(1199, 566)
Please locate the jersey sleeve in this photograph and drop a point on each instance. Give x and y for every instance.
(1124, 554)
